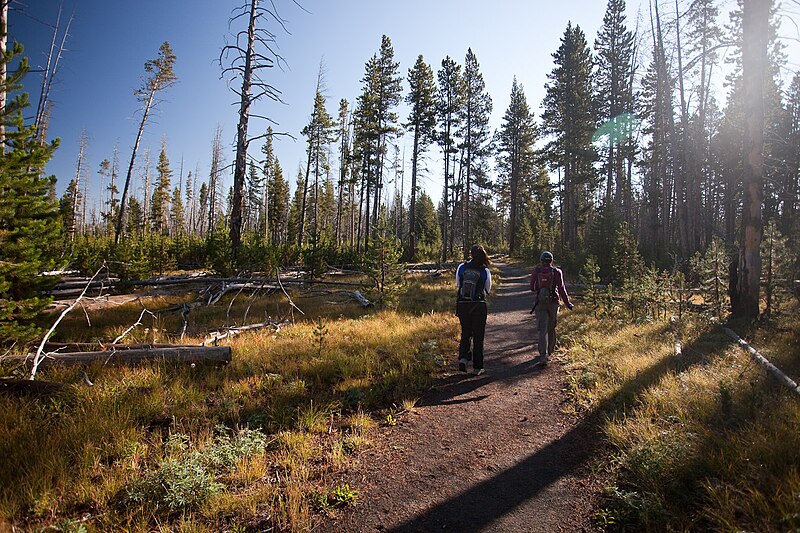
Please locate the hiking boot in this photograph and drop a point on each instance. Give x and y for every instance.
(462, 365)
(478, 371)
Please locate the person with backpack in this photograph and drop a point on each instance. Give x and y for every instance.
(547, 283)
(474, 281)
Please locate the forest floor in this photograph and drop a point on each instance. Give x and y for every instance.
(496, 452)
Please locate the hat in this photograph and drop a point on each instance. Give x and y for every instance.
(546, 256)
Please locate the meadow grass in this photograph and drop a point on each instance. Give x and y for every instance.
(247, 446)
(705, 442)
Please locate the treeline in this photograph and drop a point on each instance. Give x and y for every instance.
(635, 152)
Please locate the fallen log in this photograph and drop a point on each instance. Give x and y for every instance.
(763, 361)
(362, 299)
(232, 332)
(173, 354)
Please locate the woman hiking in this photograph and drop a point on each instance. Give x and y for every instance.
(474, 281)
(547, 283)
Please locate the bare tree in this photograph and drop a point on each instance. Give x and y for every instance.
(755, 36)
(246, 62)
(50, 70)
(159, 76)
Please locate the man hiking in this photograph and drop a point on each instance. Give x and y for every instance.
(547, 284)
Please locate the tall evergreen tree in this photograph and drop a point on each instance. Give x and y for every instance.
(568, 118)
(376, 123)
(475, 135)
(320, 133)
(279, 204)
(614, 96)
(160, 75)
(177, 216)
(422, 122)
(516, 158)
(28, 217)
(159, 208)
(449, 100)
(268, 172)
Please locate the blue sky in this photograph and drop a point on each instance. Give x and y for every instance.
(111, 39)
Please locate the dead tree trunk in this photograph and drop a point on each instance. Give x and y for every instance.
(241, 133)
(755, 21)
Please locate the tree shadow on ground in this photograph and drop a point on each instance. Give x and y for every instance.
(486, 502)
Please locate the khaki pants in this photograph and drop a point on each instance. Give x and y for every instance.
(546, 318)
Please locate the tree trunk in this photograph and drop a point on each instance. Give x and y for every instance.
(241, 135)
(412, 208)
(755, 21)
(124, 197)
(175, 354)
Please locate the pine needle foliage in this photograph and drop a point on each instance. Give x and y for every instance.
(28, 217)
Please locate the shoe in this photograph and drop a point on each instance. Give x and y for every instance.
(462, 365)
(479, 371)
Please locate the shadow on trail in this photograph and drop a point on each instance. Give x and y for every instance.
(448, 389)
(486, 502)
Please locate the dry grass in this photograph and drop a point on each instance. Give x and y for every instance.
(161, 447)
(708, 442)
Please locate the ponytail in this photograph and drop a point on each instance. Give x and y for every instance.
(480, 257)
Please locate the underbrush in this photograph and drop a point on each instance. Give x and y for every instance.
(707, 441)
(246, 447)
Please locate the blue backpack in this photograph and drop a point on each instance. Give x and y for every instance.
(472, 281)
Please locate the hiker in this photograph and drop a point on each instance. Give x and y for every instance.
(474, 281)
(547, 283)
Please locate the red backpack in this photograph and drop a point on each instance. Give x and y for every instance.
(546, 280)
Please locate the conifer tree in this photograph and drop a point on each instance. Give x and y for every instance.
(568, 118)
(320, 133)
(376, 122)
(177, 216)
(475, 114)
(516, 158)
(268, 172)
(159, 75)
(449, 100)
(159, 208)
(343, 132)
(28, 217)
(422, 122)
(614, 95)
(279, 204)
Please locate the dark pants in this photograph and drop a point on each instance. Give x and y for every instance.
(472, 316)
(546, 318)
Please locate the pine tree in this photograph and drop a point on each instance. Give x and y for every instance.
(516, 158)
(279, 204)
(320, 133)
(160, 75)
(568, 118)
(376, 123)
(343, 125)
(159, 208)
(475, 114)
(268, 170)
(449, 101)
(614, 95)
(427, 227)
(28, 217)
(177, 216)
(422, 122)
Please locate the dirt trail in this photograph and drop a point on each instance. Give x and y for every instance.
(487, 453)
